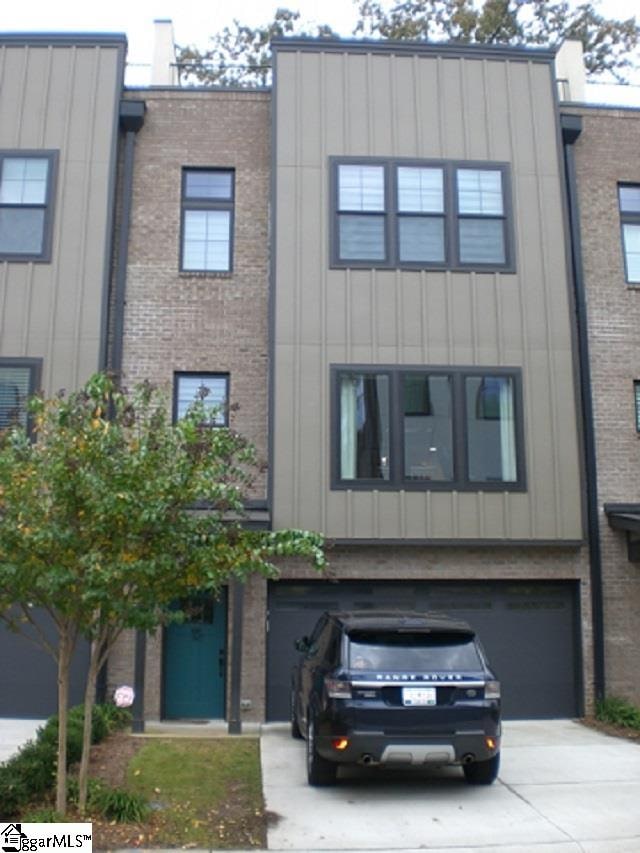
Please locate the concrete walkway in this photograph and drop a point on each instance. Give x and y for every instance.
(563, 788)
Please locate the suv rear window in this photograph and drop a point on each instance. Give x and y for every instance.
(389, 650)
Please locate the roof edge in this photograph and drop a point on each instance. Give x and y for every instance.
(64, 39)
(394, 46)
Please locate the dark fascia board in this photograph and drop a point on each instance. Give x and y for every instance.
(603, 108)
(387, 46)
(65, 39)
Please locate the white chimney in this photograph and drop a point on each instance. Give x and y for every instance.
(570, 73)
(163, 65)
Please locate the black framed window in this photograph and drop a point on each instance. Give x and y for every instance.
(211, 388)
(629, 201)
(421, 214)
(207, 220)
(19, 380)
(26, 204)
(427, 428)
(636, 397)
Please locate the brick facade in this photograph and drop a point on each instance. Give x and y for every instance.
(204, 321)
(198, 322)
(608, 153)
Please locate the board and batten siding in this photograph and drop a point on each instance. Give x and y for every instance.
(62, 95)
(376, 104)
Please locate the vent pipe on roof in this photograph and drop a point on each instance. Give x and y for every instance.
(163, 65)
(570, 73)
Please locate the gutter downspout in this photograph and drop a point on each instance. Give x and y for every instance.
(131, 120)
(571, 126)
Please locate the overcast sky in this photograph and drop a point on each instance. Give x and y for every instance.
(193, 20)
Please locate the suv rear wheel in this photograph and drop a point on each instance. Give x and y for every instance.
(320, 772)
(482, 772)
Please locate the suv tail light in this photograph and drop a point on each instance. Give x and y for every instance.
(492, 690)
(337, 689)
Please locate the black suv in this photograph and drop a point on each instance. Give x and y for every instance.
(393, 689)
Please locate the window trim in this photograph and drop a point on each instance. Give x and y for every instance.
(51, 155)
(627, 218)
(216, 374)
(207, 203)
(451, 215)
(34, 366)
(396, 483)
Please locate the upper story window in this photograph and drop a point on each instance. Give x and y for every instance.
(207, 220)
(406, 214)
(427, 428)
(19, 380)
(26, 200)
(211, 388)
(629, 199)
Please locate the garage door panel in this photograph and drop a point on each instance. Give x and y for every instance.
(529, 631)
(29, 674)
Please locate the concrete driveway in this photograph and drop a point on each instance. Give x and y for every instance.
(562, 788)
(14, 733)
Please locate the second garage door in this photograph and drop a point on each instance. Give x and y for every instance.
(530, 632)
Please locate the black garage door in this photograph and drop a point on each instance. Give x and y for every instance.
(529, 631)
(28, 675)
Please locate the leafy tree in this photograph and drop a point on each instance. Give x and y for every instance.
(240, 55)
(112, 514)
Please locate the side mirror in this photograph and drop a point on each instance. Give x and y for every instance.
(302, 645)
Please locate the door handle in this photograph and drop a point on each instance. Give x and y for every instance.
(222, 658)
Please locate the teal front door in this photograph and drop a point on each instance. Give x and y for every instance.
(195, 662)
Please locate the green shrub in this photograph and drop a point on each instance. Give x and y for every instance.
(42, 816)
(618, 712)
(124, 806)
(31, 773)
(112, 803)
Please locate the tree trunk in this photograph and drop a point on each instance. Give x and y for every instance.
(89, 700)
(65, 651)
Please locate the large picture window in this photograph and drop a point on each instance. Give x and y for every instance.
(26, 201)
(427, 428)
(629, 200)
(207, 220)
(408, 214)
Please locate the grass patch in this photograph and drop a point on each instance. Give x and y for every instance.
(202, 793)
(618, 712)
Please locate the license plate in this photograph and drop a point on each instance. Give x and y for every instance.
(418, 696)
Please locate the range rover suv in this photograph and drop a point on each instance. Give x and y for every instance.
(393, 689)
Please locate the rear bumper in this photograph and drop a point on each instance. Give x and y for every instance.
(373, 748)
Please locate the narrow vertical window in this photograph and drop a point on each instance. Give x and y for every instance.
(427, 427)
(207, 220)
(491, 429)
(636, 394)
(629, 199)
(421, 215)
(364, 426)
(481, 237)
(211, 388)
(25, 206)
(361, 213)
